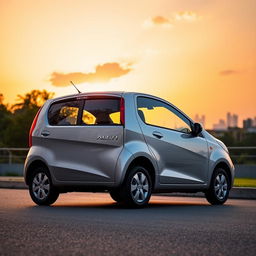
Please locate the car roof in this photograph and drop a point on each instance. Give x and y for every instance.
(102, 93)
(118, 94)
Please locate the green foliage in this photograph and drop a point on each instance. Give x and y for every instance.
(228, 139)
(238, 137)
(244, 182)
(15, 124)
(248, 140)
(17, 133)
(11, 174)
(5, 120)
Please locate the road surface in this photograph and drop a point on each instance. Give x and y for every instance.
(92, 224)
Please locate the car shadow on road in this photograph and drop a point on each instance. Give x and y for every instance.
(157, 209)
(102, 204)
(116, 206)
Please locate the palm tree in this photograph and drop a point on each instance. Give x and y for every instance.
(33, 99)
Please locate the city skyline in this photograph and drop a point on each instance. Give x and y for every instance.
(231, 121)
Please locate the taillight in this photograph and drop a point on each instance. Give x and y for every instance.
(32, 128)
(122, 111)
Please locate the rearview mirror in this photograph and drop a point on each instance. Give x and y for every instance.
(196, 129)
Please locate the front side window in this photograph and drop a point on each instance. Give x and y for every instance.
(101, 112)
(158, 113)
(64, 113)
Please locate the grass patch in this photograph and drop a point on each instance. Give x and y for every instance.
(244, 182)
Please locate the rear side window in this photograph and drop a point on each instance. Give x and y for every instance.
(64, 113)
(101, 112)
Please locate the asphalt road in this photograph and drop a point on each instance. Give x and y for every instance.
(92, 224)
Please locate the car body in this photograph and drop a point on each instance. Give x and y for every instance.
(92, 141)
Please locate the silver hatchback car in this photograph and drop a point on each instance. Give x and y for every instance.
(129, 144)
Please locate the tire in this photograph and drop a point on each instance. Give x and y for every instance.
(41, 189)
(137, 187)
(115, 195)
(218, 191)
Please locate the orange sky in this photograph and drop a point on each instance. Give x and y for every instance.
(198, 54)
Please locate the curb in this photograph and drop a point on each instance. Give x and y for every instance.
(243, 193)
(235, 192)
(13, 182)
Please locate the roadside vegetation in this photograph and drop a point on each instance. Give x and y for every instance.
(244, 182)
(16, 119)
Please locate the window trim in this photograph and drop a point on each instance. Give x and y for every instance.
(82, 100)
(168, 104)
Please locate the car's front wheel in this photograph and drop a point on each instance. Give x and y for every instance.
(41, 189)
(219, 188)
(137, 187)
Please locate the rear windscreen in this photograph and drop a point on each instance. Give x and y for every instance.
(101, 112)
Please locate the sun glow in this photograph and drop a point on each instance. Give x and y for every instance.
(181, 51)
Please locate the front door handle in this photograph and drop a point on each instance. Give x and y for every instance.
(45, 133)
(159, 135)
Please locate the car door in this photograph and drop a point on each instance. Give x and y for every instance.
(86, 137)
(182, 158)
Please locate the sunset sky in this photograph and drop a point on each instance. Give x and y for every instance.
(198, 54)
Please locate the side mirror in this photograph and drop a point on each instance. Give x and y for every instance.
(196, 129)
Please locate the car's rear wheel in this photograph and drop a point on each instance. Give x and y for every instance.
(219, 188)
(41, 189)
(137, 187)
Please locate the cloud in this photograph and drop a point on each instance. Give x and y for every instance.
(228, 72)
(103, 73)
(186, 16)
(160, 20)
(168, 22)
(157, 21)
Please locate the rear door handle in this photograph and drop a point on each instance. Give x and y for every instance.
(159, 135)
(45, 133)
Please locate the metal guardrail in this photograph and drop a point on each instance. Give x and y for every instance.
(252, 147)
(243, 155)
(238, 154)
(7, 155)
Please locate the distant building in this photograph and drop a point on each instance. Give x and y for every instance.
(247, 123)
(221, 126)
(254, 121)
(199, 119)
(235, 121)
(229, 121)
(232, 120)
(251, 130)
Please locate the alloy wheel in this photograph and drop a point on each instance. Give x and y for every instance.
(221, 186)
(41, 186)
(139, 187)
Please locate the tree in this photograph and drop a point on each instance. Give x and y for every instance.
(5, 119)
(24, 111)
(33, 99)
